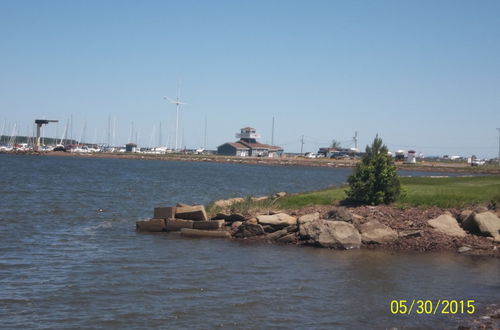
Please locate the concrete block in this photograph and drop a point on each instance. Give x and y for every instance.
(164, 212)
(196, 213)
(153, 225)
(177, 224)
(205, 233)
(182, 205)
(211, 224)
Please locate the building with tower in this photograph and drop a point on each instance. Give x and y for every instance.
(247, 146)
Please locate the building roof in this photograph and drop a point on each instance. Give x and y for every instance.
(247, 128)
(257, 145)
(238, 145)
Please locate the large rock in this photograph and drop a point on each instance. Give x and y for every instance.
(248, 229)
(448, 225)
(486, 223)
(333, 234)
(339, 214)
(235, 217)
(196, 213)
(224, 203)
(279, 220)
(176, 224)
(375, 232)
(152, 225)
(464, 215)
(205, 233)
(307, 218)
(220, 216)
(208, 225)
(287, 239)
(164, 212)
(235, 225)
(277, 234)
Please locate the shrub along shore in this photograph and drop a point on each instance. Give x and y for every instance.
(459, 214)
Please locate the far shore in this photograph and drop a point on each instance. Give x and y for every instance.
(424, 166)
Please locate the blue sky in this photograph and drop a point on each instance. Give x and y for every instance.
(423, 75)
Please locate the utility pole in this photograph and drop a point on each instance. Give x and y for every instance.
(302, 145)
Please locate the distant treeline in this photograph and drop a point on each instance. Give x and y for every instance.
(4, 139)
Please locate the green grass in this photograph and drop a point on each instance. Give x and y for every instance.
(419, 191)
(320, 197)
(451, 192)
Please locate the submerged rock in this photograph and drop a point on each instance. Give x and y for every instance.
(448, 225)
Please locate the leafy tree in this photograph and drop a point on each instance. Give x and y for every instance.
(375, 180)
(335, 144)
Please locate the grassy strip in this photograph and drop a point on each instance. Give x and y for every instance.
(419, 191)
(451, 192)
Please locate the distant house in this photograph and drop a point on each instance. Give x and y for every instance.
(247, 145)
(130, 147)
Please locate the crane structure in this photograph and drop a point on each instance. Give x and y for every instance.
(39, 123)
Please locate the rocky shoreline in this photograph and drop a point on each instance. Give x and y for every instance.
(470, 232)
(283, 161)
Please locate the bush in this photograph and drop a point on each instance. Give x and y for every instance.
(375, 180)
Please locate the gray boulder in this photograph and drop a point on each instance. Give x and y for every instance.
(486, 223)
(235, 217)
(279, 220)
(277, 234)
(332, 234)
(339, 214)
(448, 225)
(248, 229)
(287, 239)
(307, 218)
(376, 232)
(464, 215)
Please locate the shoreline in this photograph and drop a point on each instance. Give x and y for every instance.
(282, 161)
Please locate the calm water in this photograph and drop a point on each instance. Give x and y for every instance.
(64, 264)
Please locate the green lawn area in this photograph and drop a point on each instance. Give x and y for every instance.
(419, 191)
(451, 192)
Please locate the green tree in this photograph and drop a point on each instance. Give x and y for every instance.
(374, 180)
(335, 144)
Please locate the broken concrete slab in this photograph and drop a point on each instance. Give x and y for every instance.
(205, 233)
(195, 212)
(208, 225)
(164, 212)
(177, 224)
(152, 225)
